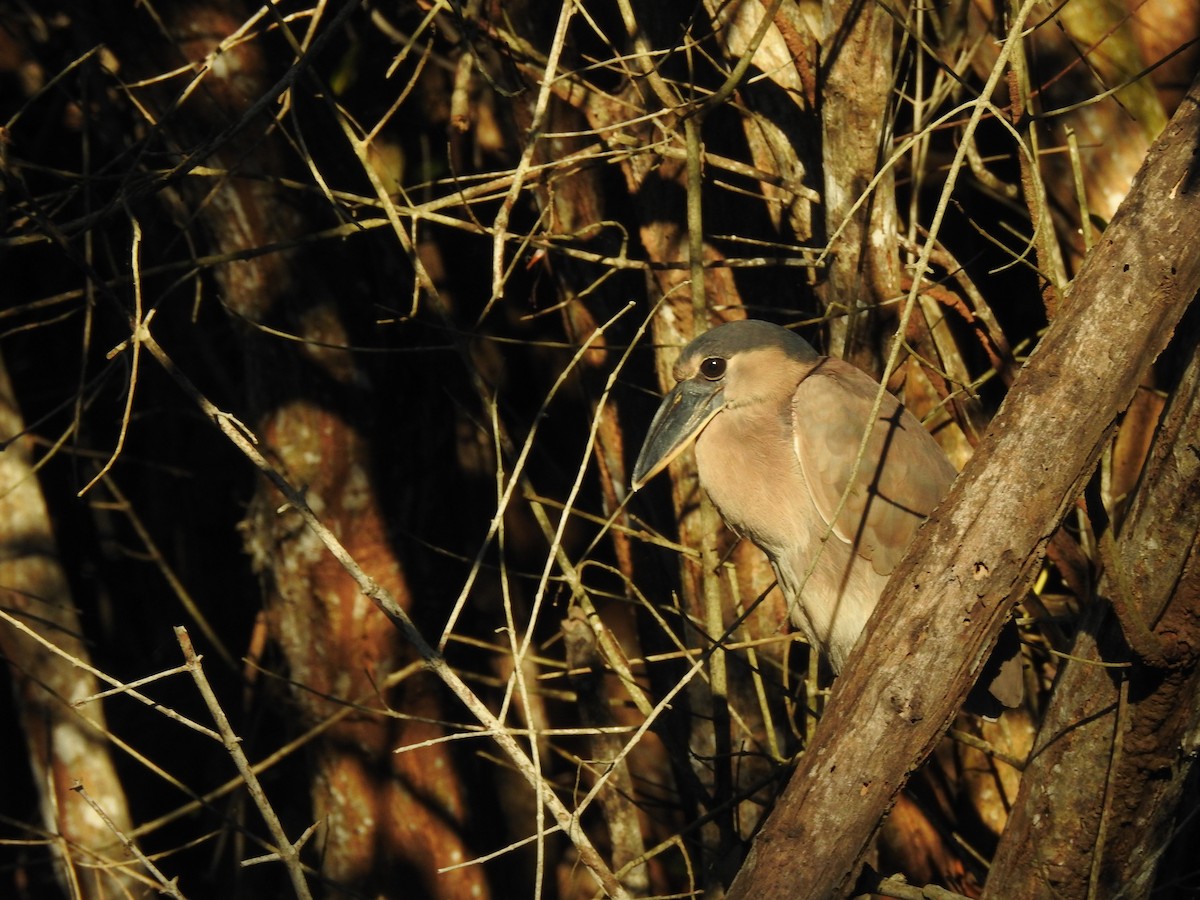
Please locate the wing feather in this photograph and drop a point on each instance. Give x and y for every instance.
(904, 473)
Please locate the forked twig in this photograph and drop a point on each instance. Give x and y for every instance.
(168, 886)
(285, 850)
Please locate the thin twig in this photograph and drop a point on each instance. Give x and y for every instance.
(168, 886)
(136, 268)
(541, 105)
(120, 686)
(515, 480)
(287, 851)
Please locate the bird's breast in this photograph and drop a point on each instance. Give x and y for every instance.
(749, 469)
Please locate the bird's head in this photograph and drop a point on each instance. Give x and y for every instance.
(732, 365)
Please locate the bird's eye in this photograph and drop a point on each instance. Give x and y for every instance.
(713, 368)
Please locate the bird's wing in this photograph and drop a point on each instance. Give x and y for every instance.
(900, 480)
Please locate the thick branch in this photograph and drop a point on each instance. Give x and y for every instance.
(946, 602)
(1102, 831)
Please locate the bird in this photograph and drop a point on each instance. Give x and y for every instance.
(776, 429)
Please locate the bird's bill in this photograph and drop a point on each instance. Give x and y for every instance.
(682, 416)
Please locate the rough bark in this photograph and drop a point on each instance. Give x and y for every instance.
(1128, 734)
(948, 600)
(856, 94)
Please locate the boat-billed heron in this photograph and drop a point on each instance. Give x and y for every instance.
(777, 429)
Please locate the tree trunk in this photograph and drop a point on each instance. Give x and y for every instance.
(857, 70)
(1101, 832)
(67, 744)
